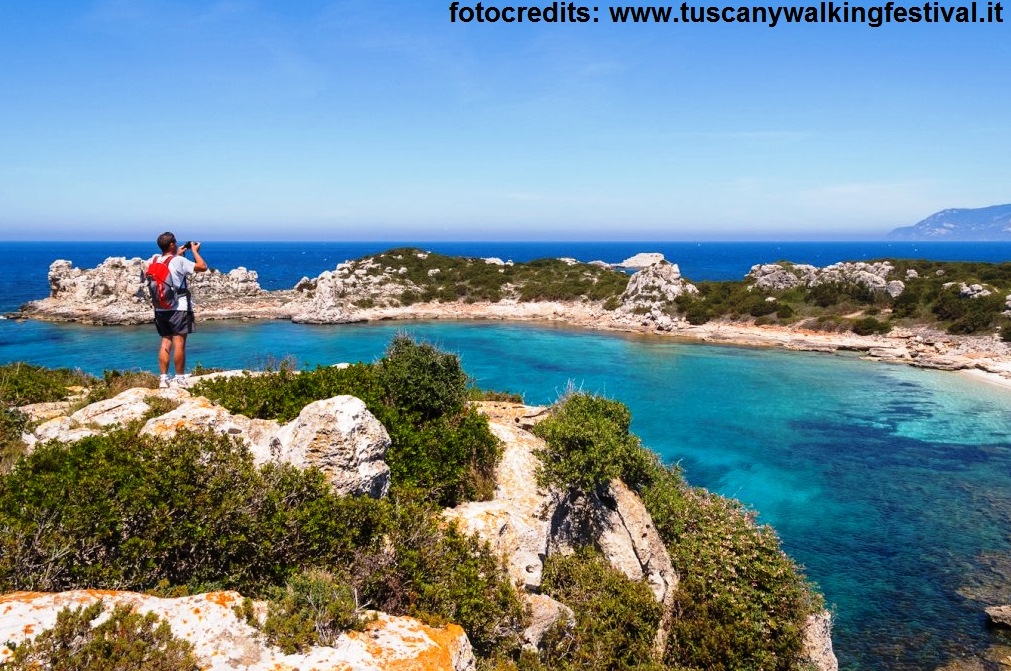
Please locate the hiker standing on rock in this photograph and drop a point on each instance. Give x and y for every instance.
(173, 311)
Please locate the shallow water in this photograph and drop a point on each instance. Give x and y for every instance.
(891, 485)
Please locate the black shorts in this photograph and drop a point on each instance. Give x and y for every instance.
(173, 322)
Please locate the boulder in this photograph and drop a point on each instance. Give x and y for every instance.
(615, 520)
(222, 641)
(343, 439)
(545, 613)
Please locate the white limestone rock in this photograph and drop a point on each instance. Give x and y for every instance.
(95, 418)
(343, 439)
(114, 292)
(222, 641)
(642, 260)
(200, 414)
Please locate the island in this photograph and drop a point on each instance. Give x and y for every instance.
(943, 315)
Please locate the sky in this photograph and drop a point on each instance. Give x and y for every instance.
(383, 120)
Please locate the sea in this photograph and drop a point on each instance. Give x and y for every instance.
(890, 485)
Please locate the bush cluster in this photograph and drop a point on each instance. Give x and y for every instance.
(931, 296)
(22, 383)
(616, 619)
(439, 444)
(429, 276)
(742, 603)
(125, 641)
(120, 511)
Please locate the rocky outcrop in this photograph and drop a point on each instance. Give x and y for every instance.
(525, 523)
(650, 292)
(818, 652)
(332, 297)
(641, 260)
(784, 276)
(337, 435)
(114, 293)
(222, 641)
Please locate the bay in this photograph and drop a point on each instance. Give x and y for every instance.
(891, 485)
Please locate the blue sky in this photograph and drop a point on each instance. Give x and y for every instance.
(372, 120)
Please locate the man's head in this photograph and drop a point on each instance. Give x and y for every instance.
(165, 241)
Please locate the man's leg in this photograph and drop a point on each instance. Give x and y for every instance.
(163, 354)
(179, 341)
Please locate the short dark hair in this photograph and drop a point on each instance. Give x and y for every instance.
(165, 240)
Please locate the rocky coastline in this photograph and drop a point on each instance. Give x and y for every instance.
(364, 290)
(523, 523)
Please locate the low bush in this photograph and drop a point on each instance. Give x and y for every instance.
(1005, 331)
(741, 603)
(22, 383)
(125, 641)
(589, 444)
(12, 424)
(120, 511)
(312, 609)
(616, 619)
(870, 326)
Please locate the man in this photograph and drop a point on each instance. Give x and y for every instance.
(176, 322)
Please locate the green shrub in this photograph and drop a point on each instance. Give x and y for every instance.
(125, 512)
(12, 425)
(22, 383)
(870, 326)
(313, 609)
(1005, 331)
(126, 641)
(589, 444)
(742, 603)
(763, 307)
(616, 618)
(784, 311)
(419, 378)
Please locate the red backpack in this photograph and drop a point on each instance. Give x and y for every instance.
(163, 293)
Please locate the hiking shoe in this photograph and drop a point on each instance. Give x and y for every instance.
(181, 381)
(163, 382)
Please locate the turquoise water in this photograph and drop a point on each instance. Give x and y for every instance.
(891, 485)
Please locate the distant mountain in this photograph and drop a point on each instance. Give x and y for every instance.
(982, 223)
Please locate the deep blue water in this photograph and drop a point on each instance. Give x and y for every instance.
(891, 485)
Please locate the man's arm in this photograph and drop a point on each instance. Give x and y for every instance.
(199, 264)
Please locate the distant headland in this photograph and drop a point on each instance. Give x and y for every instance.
(981, 223)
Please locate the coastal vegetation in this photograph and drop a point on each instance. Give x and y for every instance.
(193, 513)
(934, 292)
(427, 276)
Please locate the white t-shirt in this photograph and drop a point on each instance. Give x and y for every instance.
(179, 269)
